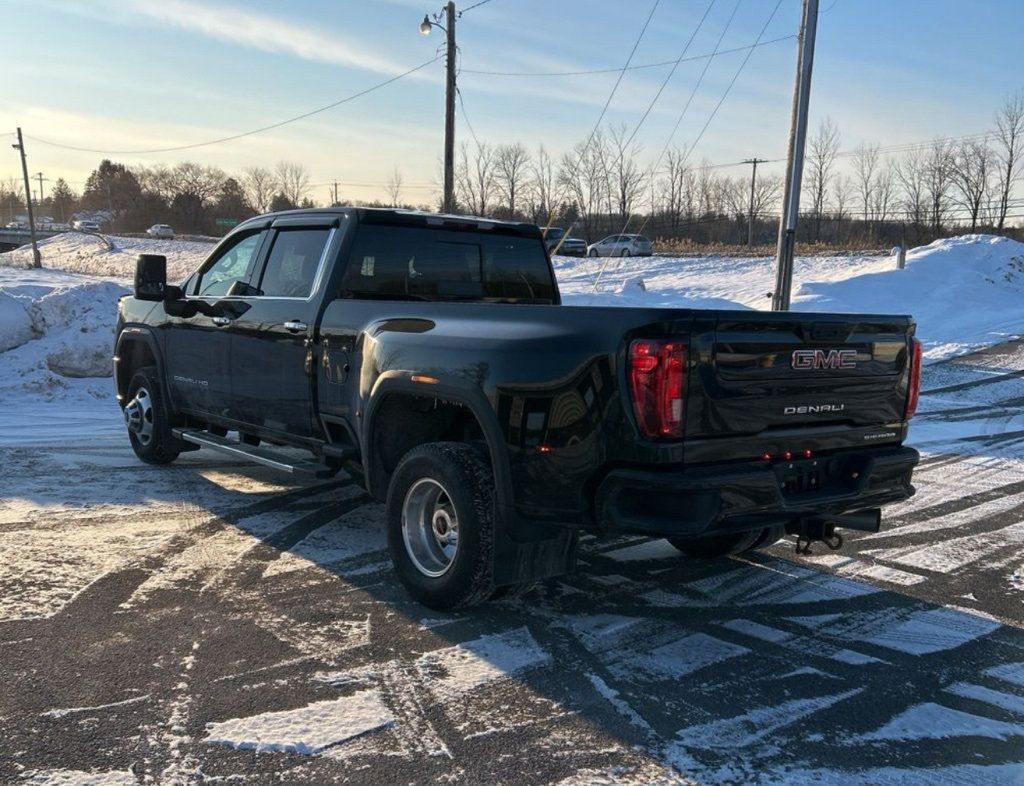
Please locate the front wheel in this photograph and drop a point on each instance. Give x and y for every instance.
(592, 252)
(440, 519)
(145, 415)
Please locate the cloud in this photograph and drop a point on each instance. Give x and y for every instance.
(239, 25)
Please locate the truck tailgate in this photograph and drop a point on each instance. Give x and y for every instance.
(755, 374)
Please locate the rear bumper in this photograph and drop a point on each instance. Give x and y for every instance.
(714, 499)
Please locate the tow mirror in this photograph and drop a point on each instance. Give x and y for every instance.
(151, 277)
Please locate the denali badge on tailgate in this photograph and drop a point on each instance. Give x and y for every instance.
(805, 359)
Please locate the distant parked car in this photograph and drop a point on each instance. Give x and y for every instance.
(15, 225)
(161, 230)
(621, 246)
(570, 246)
(86, 226)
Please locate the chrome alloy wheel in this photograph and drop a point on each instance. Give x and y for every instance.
(139, 416)
(430, 527)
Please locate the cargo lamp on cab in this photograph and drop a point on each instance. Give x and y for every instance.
(425, 379)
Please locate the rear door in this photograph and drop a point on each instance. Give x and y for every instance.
(758, 374)
(272, 341)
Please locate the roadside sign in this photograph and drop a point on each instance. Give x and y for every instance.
(225, 222)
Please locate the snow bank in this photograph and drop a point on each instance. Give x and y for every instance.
(56, 344)
(112, 256)
(965, 293)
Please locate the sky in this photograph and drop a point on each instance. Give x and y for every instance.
(132, 75)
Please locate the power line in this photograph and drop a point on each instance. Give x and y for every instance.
(260, 130)
(692, 58)
(475, 5)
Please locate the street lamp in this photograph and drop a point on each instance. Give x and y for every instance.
(448, 202)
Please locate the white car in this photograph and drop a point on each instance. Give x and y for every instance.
(86, 226)
(161, 230)
(621, 246)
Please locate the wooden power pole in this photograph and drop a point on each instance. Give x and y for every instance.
(753, 184)
(449, 113)
(20, 146)
(795, 160)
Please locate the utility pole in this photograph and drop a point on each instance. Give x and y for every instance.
(449, 115)
(41, 179)
(753, 182)
(20, 146)
(795, 159)
(448, 200)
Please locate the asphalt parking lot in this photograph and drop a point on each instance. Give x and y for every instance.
(212, 622)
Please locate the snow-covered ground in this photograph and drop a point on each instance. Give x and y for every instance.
(56, 323)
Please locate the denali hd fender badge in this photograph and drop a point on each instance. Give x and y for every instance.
(807, 359)
(811, 409)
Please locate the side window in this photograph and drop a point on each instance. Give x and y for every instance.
(230, 266)
(293, 262)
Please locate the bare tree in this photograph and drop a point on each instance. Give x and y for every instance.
(258, 185)
(394, 187)
(625, 174)
(583, 179)
(474, 178)
(677, 188)
(938, 168)
(511, 169)
(542, 181)
(821, 158)
(911, 173)
(292, 180)
(882, 194)
(1009, 151)
(842, 197)
(971, 174)
(865, 166)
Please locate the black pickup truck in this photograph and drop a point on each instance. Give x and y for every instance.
(430, 356)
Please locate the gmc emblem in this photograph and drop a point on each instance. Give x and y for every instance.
(806, 359)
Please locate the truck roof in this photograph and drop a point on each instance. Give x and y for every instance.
(397, 216)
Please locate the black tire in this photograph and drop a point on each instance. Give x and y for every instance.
(592, 253)
(468, 492)
(625, 252)
(717, 545)
(769, 537)
(157, 446)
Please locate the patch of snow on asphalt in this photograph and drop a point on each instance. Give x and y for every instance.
(930, 721)
(453, 671)
(78, 778)
(308, 729)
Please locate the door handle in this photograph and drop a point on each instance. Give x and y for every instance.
(294, 326)
(221, 321)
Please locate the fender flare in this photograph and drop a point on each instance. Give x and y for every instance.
(131, 334)
(472, 399)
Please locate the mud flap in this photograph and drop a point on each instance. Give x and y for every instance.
(534, 553)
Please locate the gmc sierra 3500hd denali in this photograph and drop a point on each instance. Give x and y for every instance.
(429, 356)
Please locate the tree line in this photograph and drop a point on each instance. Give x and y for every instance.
(603, 185)
(912, 194)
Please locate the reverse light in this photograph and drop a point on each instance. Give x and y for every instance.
(657, 376)
(914, 393)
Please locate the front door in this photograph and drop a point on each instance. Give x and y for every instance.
(272, 363)
(197, 348)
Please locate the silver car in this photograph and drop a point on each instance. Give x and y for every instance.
(161, 231)
(621, 246)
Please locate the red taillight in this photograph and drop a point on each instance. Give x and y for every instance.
(657, 381)
(915, 380)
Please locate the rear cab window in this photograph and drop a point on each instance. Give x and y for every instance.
(293, 262)
(395, 261)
